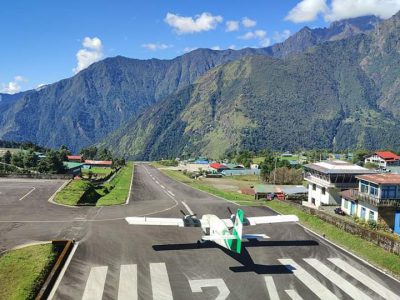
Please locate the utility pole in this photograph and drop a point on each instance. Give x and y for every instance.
(275, 170)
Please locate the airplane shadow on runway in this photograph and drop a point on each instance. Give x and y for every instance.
(244, 258)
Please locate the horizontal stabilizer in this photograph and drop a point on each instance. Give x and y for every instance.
(218, 237)
(155, 221)
(272, 219)
(254, 236)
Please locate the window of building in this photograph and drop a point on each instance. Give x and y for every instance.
(389, 192)
(313, 201)
(346, 204)
(371, 215)
(314, 187)
(323, 191)
(373, 189)
(364, 187)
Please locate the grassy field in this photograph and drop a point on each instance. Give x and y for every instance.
(368, 251)
(111, 193)
(72, 192)
(23, 271)
(118, 187)
(98, 173)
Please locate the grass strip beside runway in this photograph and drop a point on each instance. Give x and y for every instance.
(82, 192)
(23, 271)
(118, 187)
(368, 251)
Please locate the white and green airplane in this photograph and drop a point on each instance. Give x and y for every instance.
(227, 233)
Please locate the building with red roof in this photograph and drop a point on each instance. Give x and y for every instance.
(98, 163)
(74, 158)
(218, 167)
(384, 159)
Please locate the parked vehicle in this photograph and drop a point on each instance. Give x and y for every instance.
(339, 211)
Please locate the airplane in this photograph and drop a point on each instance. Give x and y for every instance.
(227, 233)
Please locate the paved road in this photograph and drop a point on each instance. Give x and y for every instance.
(115, 260)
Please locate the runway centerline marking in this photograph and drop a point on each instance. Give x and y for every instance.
(160, 282)
(364, 279)
(128, 283)
(27, 194)
(187, 207)
(163, 187)
(272, 292)
(344, 285)
(171, 193)
(95, 283)
(313, 284)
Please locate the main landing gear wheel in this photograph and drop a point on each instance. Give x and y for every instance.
(200, 243)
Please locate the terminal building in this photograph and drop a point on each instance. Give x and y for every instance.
(327, 179)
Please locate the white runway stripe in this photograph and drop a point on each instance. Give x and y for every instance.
(314, 285)
(372, 284)
(95, 284)
(160, 282)
(293, 295)
(171, 193)
(128, 283)
(340, 282)
(269, 282)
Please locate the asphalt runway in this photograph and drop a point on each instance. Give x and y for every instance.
(114, 260)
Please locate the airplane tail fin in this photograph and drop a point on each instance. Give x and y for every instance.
(237, 231)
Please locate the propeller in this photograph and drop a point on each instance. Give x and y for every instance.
(229, 209)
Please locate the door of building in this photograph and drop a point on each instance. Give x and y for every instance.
(352, 208)
(362, 213)
(396, 228)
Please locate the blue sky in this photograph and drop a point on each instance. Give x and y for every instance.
(44, 41)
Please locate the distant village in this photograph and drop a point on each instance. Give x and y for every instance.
(368, 190)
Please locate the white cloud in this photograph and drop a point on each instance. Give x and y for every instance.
(156, 46)
(257, 34)
(92, 52)
(307, 10)
(232, 47)
(344, 9)
(216, 48)
(281, 36)
(13, 86)
(247, 22)
(260, 35)
(203, 22)
(232, 26)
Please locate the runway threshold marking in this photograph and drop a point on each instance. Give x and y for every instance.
(128, 283)
(198, 284)
(314, 285)
(293, 295)
(160, 282)
(338, 280)
(272, 292)
(95, 283)
(364, 279)
(27, 194)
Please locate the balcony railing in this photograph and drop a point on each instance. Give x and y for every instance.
(325, 181)
(375, 201)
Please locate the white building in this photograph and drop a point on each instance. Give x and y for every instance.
(384, 159)
(377, 198)
(328, 178)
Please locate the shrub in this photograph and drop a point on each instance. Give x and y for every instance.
(372, 224)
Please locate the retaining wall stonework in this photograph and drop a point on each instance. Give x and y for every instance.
(388, 243)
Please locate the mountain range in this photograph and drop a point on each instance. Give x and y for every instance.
(321, 88)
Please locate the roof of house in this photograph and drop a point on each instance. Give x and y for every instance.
(387, 155)
(201, 162)
(299, 189)
(265, 188)
(385, 178)
(234, 166)
(218, 166)
(337, 167)
(98, 162)
(74, 157)
(72, 165)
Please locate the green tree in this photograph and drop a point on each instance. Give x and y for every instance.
(30, 159)
(360, 154)
(7, 157)
(89, 152)
(18, 159)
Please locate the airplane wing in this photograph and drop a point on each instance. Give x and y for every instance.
(251, 221)
(218, 237)
(155, 221)
(272, 219)
(254, 236)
